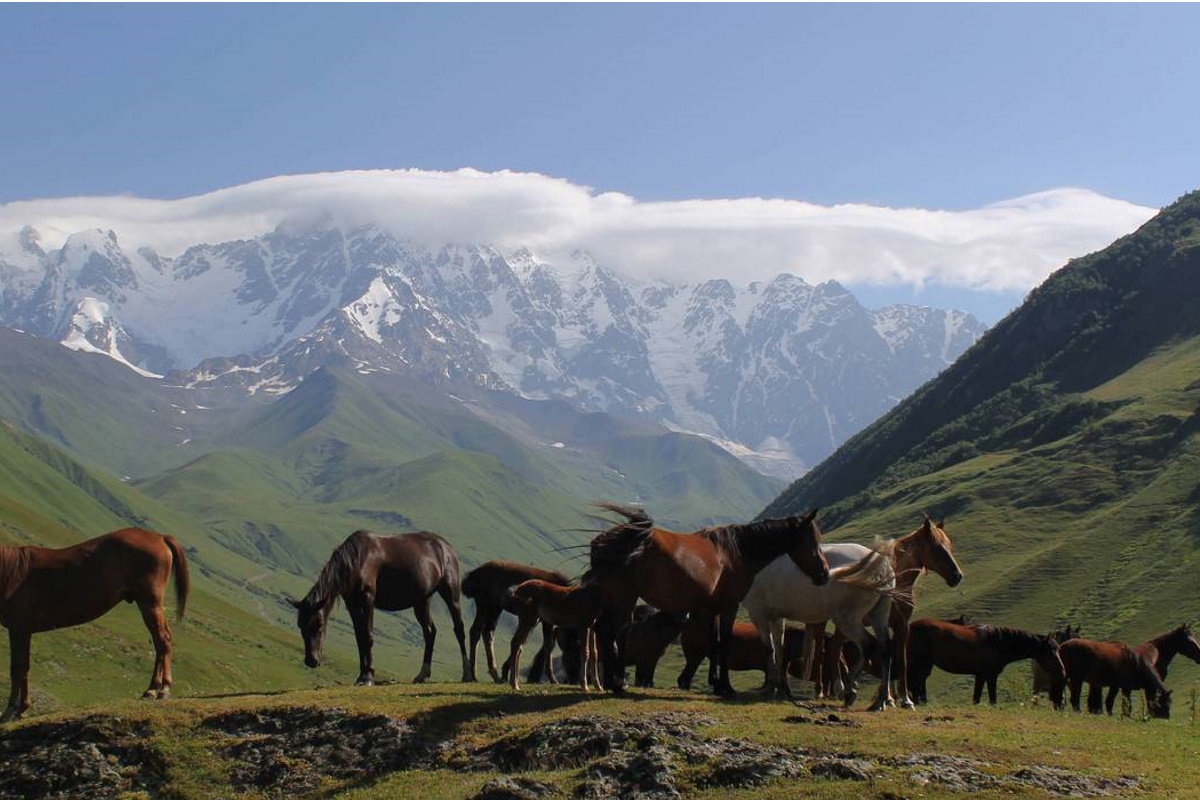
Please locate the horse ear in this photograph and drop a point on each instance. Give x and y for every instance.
(810, 516)
(941, 523)
(926, 521)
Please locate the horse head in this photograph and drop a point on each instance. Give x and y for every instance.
(1188, 645)
(935, 551)
(1049, 659)
(806, 548)
(311, 619)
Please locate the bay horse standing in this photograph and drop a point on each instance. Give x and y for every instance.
(43, 589)
(1111, 664)
(746, 651)
(390, 573)
(705, 574)
(575, 607)
(980, 650)
(1161, 651)
(488, 585)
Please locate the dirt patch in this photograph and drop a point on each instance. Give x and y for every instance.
(514, 789)
(96, 757)
(640, 758)
(289, 751)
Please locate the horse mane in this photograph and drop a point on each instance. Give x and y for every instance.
(613, 549)
(15, 563)
(339, 570)
(875, 573)
(755, 541)
(1009, 637)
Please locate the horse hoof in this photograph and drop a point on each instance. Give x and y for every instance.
(164, 693)
(364, 682)
(150, 694)
(907, 704)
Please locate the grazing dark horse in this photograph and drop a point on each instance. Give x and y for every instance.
(576, 607)
(1160, 651)
(390, 573)
(42, 589)
(980, 650)
(746, 650)
(705, 574)
(488, 585)
(1115, 664)
(646, 639)
(1043, 682)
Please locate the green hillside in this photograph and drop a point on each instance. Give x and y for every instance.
(1063, 448)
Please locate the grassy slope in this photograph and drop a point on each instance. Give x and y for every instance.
(48, 498)
(1162, 755)
(1063, 448)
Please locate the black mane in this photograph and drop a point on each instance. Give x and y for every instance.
(339, 570)
(613, 549)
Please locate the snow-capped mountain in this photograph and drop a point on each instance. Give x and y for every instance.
(779, 371)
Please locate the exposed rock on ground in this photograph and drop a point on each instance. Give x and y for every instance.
(288, 751)
(97, 757)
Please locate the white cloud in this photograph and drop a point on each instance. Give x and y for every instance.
(1004, 246)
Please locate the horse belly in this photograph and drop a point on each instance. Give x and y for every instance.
(678, 588)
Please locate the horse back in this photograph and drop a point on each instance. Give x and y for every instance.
(1104, 663)
(682, 572)
(491, 580)
(407, 568)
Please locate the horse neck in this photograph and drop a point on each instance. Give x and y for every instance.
(1167, 646)
(336, 578)
(1016, 645)
(752, 545)
(905, 562)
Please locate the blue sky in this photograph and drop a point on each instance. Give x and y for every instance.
(945, 107)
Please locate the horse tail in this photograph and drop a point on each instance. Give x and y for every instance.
(874, 573)
(612, 550)
(183, 578)
(470, 584)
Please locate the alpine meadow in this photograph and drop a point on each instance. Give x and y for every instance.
(521, 402)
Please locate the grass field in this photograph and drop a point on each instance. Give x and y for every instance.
(1163, 757)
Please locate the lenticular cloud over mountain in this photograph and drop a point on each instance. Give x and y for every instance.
(1010, 245)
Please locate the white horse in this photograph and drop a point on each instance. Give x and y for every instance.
(862, 586)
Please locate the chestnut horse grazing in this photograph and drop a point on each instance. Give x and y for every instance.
(391, 573)
(705, 574)
(488, 585)
(980, 650)
(576, 607)
(1114, 664)
(746, 650)
(42, 589)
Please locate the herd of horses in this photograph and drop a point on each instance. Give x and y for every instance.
(645, 588)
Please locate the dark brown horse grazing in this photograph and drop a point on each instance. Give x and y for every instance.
(390, 573)
(705, 574)
(42, 589)
(646, 639)
(488, 585)
(746, 651)
(1160, 651)
(1115, 664)
(980, 650)
(1043, 681)
(576, 607)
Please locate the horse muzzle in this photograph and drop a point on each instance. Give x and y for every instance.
(955, 580)
(312, 662)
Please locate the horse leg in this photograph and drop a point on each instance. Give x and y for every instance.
(901, 650)
(488, 629)
(854, 631)
(542, 667)
(362, 614)
(977, 696)
(879, 618)
(160, 634)
(714, 637)
(1093, 698)
(585, 656)
(991, 686)
(449, 593)
(608, 628)
(429, 630)
(725, 633)
(1076, 685)
(1111, 699)
(18, 697)
(524, 626)
(476, 633)
(692, 663)
(595, 650)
